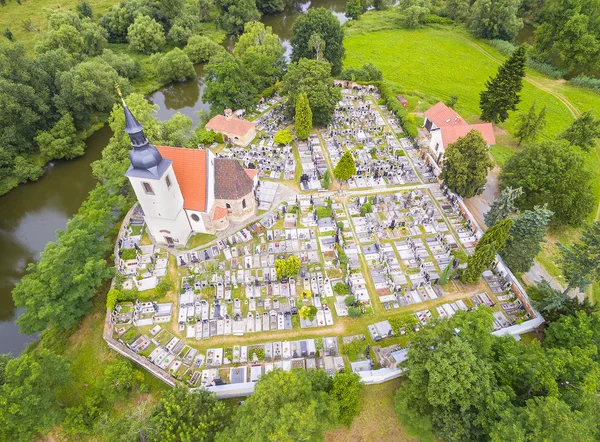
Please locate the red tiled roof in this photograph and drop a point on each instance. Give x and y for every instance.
(189, 166)
(231, 180)
(233, 126)
(251, 173)
(453, 133)
(444, 116)
(220, 212)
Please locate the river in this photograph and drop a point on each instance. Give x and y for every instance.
(31, 213)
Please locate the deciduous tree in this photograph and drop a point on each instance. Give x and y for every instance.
(61, 141)
(287, 268)
(322, 22)
(530, 124)
(268, 7)
(492, 19)
(234, 14)
(347, 388)
(345, 168)
(583, 132)
(175, 66)
(502, 91)
(200, 48)
(283, 137)
(353, 9)
(308, 312)
(466, 164)
(146, 35)
(580, 263)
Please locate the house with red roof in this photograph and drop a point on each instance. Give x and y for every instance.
(446, 126)
(186, 191)
(234, 130)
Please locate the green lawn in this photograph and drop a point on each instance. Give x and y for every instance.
(199, 239)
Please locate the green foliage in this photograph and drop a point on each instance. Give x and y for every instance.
(111, 299)
(125, 66)
(345, 168)
(347, 388)
(175, 66)
(367, 73)
(349, 301)
(492, 242)
(268, 7)
(25, 171)
(341, 289)
(303, 117)
(84, 9)
(580, 263)
(118, 380)
(283, 137)
(414, 12)
(564, 184)
(184, 415)
(227, 84)
(354, 312)
(8, 34)
(526, 236)
(27, 395)
(294, 405)
(234, 14)
(116, 22)
(146, 35)
(583, 132)
(79, 251)
(466, 164)
(179, 35)
(366, 208)
(94, 37)
(313, 78)
(322, 22)
(61, 141)
(261, 55)
(530, 124)
(66, 37)
(326, 180)
(355, 350)
(308, 312)
(287, 267)
(555, 305)
(200, 48)
(496, 19)
(503, 206)
(579, 81)
(502, 91)
(353, 9)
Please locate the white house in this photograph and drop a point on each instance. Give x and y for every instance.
(446, 126)
(184, 191)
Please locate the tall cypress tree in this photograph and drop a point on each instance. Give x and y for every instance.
(527, 235)
(303, 117)
(502, 91)
(503, 206)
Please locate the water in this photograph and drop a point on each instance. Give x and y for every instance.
(31, 213)
(526, 34)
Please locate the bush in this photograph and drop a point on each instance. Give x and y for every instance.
(283, 137)
(349, 301)
(366, 73)
(111, 299)
(127, 254)
(355, 349)
(341, 289)
(354, 312)
(506, 48)
(586, 82)
(545, 68)
(437, 20)
(162, 288)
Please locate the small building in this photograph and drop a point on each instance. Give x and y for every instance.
(234, 129)
(446, 126)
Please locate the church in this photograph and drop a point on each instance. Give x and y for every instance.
(186, 191)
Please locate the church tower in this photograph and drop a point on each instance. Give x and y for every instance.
(156, 187)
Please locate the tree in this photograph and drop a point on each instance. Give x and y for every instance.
(353, 9)
(200, 48)
(234, 14)
(118, 380)
(503, 206)
(116, 22)
(24, 170)
(283, 137)
(350, 300)
(287, 268)
(492, 242)
(530, 124)
(9, 35)
(341, 289)
(227, 84)
(66, 37)
(308, 312)
(125, 66)
(458, 10)
(499, 19)
(61, 141)
(527, 234)
(414, 12)
(303, 117)
(175, 66)
(326, 180)
(555, 305)
(466, 164)
(580, 263)
(176, 130)
(84, 9)
(502, 91)
(94, 37)
(549, 173)
(354, 312)
(268, 7)
(313, 78)
(322, 22)
(345, 168)
(261, 55)
(347, 388)
(27, 396)
(583, 132)
(146, 35)
(188, 415)
(294, 405)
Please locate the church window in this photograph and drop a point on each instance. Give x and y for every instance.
(148, 188)
(195, 217)
(243, 203)
(168, 181)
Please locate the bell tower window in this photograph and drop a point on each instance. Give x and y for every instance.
(168, 181)
(148, 188)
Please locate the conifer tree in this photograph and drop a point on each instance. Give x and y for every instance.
(502, 91)
(583, 132)
(530, 124)
(527, 235)
(491, 243)
(303, 117)
(503, 206)
(580, 263)
(346, 168)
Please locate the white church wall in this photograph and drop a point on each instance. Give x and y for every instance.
(178, 229)
(197, 226)
(159, 200)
